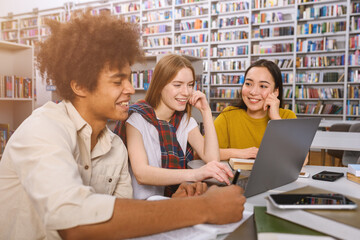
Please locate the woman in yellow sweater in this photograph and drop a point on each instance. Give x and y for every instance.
(240, 128)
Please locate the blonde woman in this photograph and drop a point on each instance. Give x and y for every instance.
(161, 133)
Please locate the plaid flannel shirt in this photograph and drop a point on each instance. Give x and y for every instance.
(172, 156)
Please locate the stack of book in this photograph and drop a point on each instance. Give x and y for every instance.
(353, 173)
(243, 164)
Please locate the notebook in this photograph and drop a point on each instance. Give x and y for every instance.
(281, 154)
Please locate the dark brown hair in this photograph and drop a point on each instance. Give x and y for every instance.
(165, 71)
(275, 73)
(79, 49)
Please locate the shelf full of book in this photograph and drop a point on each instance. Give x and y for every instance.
(16, 86)
(305, 38)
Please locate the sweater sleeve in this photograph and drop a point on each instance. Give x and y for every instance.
(287, 114)
(221, 128)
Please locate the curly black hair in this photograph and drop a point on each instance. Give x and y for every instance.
(79, 49)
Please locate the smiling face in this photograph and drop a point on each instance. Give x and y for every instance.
(110, 99)
(176, 93)
(258, 84)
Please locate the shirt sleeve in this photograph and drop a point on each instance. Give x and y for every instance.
(137, 121)
(287, 114)
(157, 198)
(123, 187)
(42, 156)
(221, 128)
(192, 124)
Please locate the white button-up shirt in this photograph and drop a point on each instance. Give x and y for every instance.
(51, 180)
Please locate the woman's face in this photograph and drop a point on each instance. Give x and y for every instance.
(258, 84)
(176, 93)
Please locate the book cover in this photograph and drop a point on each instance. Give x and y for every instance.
(354, 169)
(343, 224)
(243, 164)
(341, 78)
(352, 177)
(271, 227)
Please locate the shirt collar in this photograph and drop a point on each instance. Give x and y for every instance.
(105, 138)
(74, 115)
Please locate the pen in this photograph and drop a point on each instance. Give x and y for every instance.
(236, 177)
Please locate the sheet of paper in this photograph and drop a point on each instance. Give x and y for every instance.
(242, 160)
(199, 232)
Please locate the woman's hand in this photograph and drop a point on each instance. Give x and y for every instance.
(215, 170)
(247, 152)
(272, 105)
(198, 100)
(187, 189)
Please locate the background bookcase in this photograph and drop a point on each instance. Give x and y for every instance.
(315, 43)
(16, 83)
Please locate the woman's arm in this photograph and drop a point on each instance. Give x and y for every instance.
(227, 153)
(149, 175)
(206, 147)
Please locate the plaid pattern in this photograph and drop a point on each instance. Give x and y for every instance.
(172, 156)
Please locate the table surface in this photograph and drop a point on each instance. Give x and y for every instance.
(349, 141)
(342, 185)
(328, 123)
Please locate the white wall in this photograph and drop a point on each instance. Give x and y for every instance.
(24, 6)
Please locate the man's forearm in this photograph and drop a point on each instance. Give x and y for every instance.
(133, 218)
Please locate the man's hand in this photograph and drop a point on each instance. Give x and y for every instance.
(224, 204)
(190, 189)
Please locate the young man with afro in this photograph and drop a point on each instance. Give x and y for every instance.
(64, 174)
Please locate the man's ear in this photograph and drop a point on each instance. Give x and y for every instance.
(78, 89)
(276, 91)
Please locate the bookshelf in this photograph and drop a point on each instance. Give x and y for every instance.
(315, 43)
(321, 59)
(353, 87)
(16, 83)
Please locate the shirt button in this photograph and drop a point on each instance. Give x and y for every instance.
(86, 167)
(110, 180)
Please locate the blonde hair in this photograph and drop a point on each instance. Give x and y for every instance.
(165, 71)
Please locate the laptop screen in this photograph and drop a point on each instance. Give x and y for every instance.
(281, 154)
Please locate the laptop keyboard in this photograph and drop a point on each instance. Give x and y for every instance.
(243, 179)
(243, 182)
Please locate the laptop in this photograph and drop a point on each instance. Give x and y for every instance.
(281, 154)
